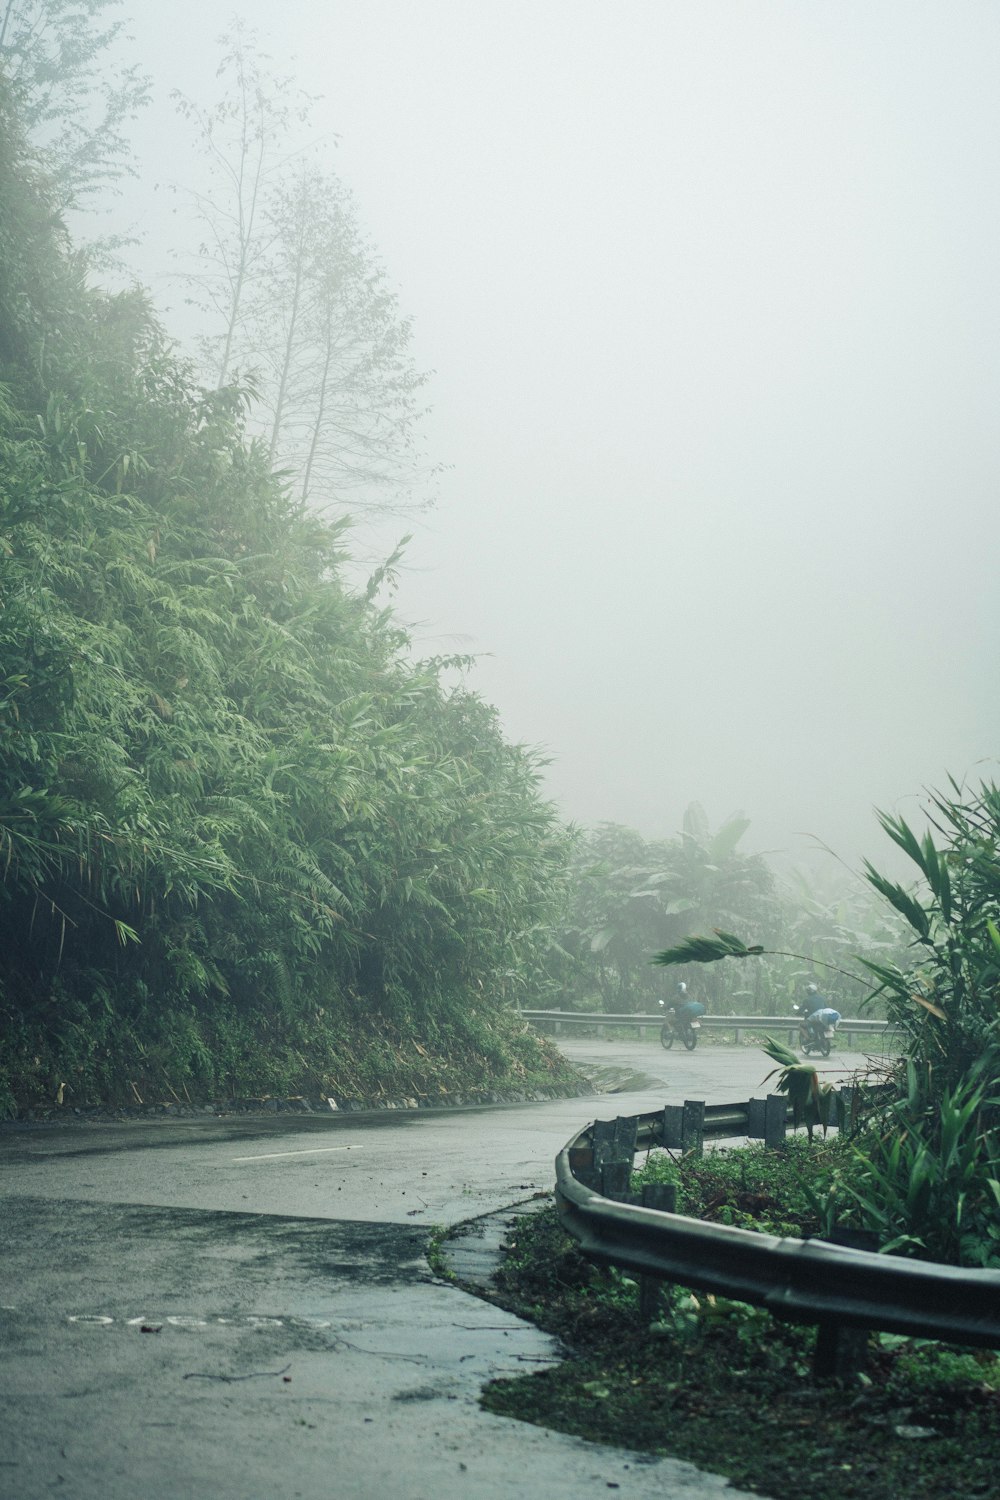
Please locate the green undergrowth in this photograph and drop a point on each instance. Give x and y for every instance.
(728, 1387)
(217, 1053)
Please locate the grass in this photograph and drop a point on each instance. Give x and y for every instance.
(725, 1385)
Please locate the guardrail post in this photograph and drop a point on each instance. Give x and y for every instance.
(626, 1131)
(613, 1145)
(842, 1349)
(602, 1137)
(613, 1140)
(840, 1352)
(662, 1196)
(671, 1128)
(849, 1108)
(693, 1126)
(650, 1298)
(766, 1120)
(583, 1169)
(615, 1177)
(775, 1121)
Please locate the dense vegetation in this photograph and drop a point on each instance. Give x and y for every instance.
(630, 896)
(924, 1174)
(928, 1171)
(247, 844)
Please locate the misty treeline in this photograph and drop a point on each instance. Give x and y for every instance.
(74, 108)
(291, 300)
(247, 842)
(631, 897)
(294, 301)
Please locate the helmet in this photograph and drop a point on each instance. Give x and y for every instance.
(681, 987)
(813, 989)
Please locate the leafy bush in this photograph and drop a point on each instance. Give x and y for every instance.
(925, 1176)
(931, 1189)
(947, 999)
(629, 896)
(749, 1187)
(928, 1176)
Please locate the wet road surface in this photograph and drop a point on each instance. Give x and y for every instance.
(242, 1308)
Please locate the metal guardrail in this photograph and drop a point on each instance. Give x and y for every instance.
(807, 1281)
(555, 1020)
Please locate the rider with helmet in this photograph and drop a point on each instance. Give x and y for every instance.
(683, 1022)
(819, 1021)
(814, 1000)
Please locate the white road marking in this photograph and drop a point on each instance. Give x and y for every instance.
(312, 1151)
(188, 1321)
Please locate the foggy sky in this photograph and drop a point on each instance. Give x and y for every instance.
(711, 295)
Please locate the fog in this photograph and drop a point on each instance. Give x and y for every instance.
(710, 293)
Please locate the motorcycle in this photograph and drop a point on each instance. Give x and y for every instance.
(681, 1022)
(817, 1030)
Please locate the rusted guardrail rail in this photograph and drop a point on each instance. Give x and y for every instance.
(808, 1281)
(555, 1021)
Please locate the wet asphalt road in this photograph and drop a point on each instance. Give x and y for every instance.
(242, 1309)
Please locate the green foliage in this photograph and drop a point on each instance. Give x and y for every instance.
(703, 950)
(929, 1178)
(634, 903)
(749, 1187)
(813, 1103)
(930, 1185)
(947, 997)
(53, 54)
(834, 924)
(923, 1365)
(239, 828)
(558, 1286)
(630, 897)
(924, 1178)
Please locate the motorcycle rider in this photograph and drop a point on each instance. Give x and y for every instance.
(684, 1005)
(817, 1012)
(681, 1018)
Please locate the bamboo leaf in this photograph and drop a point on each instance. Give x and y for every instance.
(935, 1010)
(706, 950)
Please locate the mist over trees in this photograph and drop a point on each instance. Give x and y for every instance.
(295, 300)
(294, 303)
(630, 896)
(248, 843)
(72, 108)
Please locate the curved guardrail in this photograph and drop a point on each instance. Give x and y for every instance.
(807, 1281)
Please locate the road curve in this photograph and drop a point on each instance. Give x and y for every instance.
(242, 1307)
